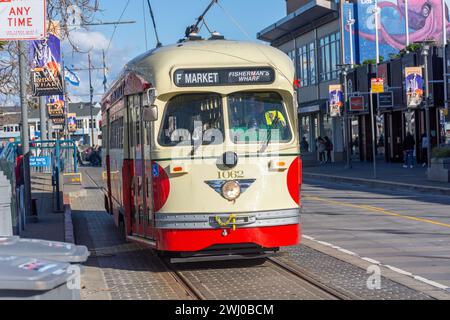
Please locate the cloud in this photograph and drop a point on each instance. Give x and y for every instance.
(89, 40)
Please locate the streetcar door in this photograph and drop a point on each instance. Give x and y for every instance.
(136, 152)
(143, 215)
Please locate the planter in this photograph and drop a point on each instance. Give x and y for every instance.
(440, 170)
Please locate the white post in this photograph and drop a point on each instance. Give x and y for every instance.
(407, 22)
(350, 23)
(444, 53)
(377, 51)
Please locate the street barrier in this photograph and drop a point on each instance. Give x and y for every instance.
(34, 269)
(6, 224)
(26, 278)
(43, 249)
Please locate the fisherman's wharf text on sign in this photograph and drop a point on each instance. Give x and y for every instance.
(222, 77)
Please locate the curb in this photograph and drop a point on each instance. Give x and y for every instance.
(397, 186)
(68, 224)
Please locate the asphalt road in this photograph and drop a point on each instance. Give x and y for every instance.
(410, 231)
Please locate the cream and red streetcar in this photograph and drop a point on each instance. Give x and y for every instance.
(201, 149)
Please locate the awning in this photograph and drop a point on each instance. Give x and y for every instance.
(303, 16)
(313, 107)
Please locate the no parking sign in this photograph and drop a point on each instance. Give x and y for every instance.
(22, 19)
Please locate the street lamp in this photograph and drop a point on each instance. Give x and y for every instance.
(426, 46)
(347, 140)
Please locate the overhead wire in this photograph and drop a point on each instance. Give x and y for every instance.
(117, 24)
(238, 25)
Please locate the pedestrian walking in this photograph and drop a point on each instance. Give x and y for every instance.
(304, 145)
(321, 148)
(424, 150)
(408, 151)
(328, 148)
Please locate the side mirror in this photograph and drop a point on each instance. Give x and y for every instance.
(151, 97)
(149, 110)
(150, 113)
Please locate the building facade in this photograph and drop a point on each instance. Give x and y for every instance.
(311, 35)
(10, 123)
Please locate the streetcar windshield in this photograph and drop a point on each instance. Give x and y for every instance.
(193, 119)
(258, 117)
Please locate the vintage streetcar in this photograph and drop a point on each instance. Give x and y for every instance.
(202, 152)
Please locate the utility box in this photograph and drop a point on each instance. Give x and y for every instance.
(25, 278)
(43, 249)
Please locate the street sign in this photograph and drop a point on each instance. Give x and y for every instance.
(386, 99)
(39, 161)
(22, 20)
(357, 103)
(377, 85)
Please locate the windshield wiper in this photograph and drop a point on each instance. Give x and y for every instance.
(269, 135)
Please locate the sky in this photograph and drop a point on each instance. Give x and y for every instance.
(172, 18)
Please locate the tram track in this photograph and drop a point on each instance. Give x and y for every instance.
(185, 275)
(305, 276)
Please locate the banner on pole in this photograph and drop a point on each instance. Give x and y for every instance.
(336, 100)
(22, 20)
(56, 106)
(72, 122)
(414, 86)
(45, 63)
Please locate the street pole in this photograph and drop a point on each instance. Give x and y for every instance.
(407, 22)
(43, 118)
(350, 24)
(374, 138)
(91, 97)
(427, 106)
(104, 72)
(377, 43)
(25, 138)
(444, 68)
(346, 131)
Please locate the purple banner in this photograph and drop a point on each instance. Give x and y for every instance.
(45, 64)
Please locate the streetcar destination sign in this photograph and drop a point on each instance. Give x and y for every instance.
(223, 77)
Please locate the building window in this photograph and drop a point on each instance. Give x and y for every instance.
(307, 64)
(79, 124)
(90, 124)
(330, 56)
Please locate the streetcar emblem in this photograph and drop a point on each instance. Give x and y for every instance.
(217, 185)
(155, 170)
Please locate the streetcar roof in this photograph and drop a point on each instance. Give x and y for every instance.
(156, 66)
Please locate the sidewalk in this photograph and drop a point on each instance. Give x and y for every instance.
(389, 175)
(50, 225)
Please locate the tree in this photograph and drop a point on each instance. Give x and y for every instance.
(68, 13)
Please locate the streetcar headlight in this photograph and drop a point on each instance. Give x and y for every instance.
(231, 190)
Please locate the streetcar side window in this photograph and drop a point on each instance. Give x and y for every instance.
(192, 116)
(258, 117)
